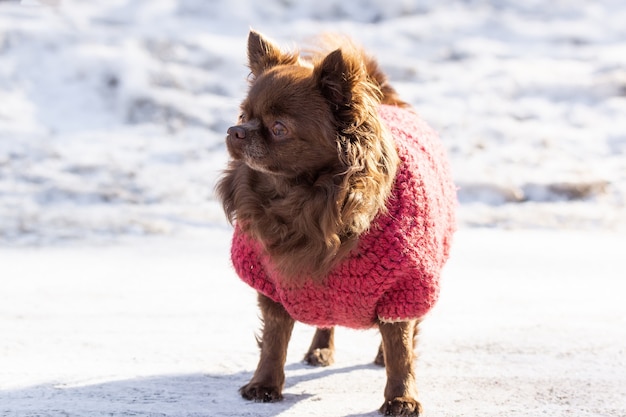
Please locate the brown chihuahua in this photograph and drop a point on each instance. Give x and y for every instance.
(343, 207)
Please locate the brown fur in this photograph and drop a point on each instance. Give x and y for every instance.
(269, 378)
(311, 166)
(309, 195)
(398, 351)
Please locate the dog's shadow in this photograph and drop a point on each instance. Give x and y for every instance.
(317, 373)
(311, 373)
(183, 395)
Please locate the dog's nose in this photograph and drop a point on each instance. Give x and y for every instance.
(237, 132)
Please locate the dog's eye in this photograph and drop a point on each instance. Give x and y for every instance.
(242, 117)
(279, 130)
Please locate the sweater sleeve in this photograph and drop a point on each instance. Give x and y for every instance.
(246, 255)
(408, 299)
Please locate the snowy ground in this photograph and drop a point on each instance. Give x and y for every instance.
(116, 296)
(529, 324)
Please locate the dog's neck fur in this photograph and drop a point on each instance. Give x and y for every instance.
(308, 224)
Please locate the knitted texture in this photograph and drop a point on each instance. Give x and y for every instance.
(393, 273)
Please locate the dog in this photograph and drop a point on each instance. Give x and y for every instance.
(343, 205)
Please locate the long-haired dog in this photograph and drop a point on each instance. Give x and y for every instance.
(343, 207)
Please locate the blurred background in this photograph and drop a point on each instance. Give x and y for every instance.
(113, 113)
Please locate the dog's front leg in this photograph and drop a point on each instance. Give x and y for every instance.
(401, 389)
(269, 378)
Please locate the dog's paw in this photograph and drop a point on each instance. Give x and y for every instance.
(401, 406)
(320, 357)
(260, 393)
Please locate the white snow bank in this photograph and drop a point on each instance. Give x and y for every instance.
(112, 114)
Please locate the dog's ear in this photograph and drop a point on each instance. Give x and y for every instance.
(337, 75)
(263, 54)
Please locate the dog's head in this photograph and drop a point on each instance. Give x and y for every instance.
(298, 116)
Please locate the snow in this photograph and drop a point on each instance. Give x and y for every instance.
(529, 323)
(116, 293)
(118, 109)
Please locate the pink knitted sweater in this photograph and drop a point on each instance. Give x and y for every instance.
(393, 274)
